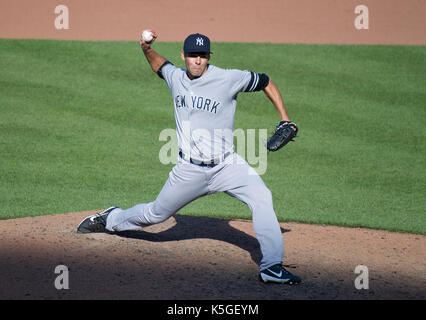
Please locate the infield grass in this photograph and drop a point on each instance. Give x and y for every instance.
(80, 125)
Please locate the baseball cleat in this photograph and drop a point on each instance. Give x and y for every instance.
(278, 274)
(95, 223)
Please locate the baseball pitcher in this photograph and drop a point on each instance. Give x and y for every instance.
(205, 99)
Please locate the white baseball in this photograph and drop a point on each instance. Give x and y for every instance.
(147, 36)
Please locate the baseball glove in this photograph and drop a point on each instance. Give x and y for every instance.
(284, 133)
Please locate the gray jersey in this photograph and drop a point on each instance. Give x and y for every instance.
(205, 107)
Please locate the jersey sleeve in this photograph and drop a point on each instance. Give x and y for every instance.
(248, 81)
(166, 72)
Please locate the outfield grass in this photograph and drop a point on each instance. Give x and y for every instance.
(80, 123)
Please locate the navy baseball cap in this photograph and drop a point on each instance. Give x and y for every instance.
(196, 43)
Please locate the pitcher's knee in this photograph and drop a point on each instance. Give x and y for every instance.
(157, 213)
(263, 198)
(154, 219)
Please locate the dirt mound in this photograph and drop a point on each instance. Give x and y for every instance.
(190, 257)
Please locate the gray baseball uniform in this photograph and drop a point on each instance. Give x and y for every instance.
(204, 112)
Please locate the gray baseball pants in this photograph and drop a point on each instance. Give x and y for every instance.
(188, 182)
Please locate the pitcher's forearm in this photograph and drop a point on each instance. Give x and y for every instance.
(154, 59)
(274, 95)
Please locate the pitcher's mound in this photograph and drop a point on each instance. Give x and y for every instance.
(195, 258)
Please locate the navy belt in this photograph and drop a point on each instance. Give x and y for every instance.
(210, 163)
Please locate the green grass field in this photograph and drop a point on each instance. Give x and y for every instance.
(80, 125)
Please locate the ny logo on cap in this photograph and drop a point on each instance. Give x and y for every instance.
(199, 42)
